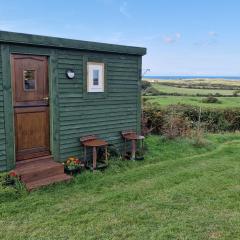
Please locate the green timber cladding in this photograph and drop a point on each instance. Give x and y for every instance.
(74, 112)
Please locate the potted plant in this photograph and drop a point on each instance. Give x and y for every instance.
(72, 165)
(11, 178)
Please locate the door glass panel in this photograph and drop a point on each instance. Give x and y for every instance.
(29, 78)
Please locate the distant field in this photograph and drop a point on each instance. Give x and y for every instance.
(190, 91)
(191, 88)
(226, 102)
(199, 81)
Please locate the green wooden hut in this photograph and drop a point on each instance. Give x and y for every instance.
(54, 91)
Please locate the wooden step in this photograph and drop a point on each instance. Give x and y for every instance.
(41, 171)
(33, 161)
(38, 172)
(47, 181)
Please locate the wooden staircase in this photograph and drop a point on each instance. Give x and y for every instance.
(41, 171)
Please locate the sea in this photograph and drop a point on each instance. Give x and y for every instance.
(233, 78)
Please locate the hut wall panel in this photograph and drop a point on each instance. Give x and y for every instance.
(2, 126)
(105, 117)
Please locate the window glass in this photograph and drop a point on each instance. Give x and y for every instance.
(29, 78)
(95, 77)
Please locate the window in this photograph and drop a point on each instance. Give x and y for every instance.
(29, 80)
(95, 77)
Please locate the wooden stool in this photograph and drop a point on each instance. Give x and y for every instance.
(133, 137)
(93, 142)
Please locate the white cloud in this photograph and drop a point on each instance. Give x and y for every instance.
(172, 39)
(212, 34)
(210, 40)
(169, 40)
(106, 2)
(205, 43)
(178, 35)
(124, 9)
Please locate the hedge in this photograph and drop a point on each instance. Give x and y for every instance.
(213, 120)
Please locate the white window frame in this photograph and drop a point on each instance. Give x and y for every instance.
(91, 66)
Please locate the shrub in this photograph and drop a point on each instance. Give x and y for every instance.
(151, 91)
(211, 99)
(236, 93)
(175, 126)
(145, 85)
(153, 119)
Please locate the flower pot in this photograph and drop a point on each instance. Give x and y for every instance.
(72, 171)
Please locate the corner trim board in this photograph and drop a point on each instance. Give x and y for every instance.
(8, 107)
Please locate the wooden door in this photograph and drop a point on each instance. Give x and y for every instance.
(31, 106)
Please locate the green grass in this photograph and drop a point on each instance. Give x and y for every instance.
(190, 91)
(226, 102)
(178, 192)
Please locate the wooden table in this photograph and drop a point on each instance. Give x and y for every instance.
(94, 144)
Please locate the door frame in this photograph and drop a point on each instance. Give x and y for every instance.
(7, 50)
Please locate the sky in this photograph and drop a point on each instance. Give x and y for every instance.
(182, 37)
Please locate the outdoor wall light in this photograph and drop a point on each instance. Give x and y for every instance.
(70, 74)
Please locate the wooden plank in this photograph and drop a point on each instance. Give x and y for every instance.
(139, 98)
(110, 57)
(97, 130)
(93, 112)
(99, 121)
(114, 102)
(122, 74)
(70, 120)
(119, 97)
(120, 70)
(62, 71)
(64, 63)
(94, 125)
(20, 38)
(122, 78)
(54, 103)
(8, 109)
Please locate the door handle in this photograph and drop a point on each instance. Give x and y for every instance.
(46, 98)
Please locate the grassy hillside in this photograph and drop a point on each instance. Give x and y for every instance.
(178, 192)
(189, 91)
(226, 102)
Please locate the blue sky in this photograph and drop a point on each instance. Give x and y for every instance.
(183, 37)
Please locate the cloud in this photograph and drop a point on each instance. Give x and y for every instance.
(106, 2)
(124, 9)
(210, 40)
(172, 39)
(178, 35)
(169, 40)
(212, 34)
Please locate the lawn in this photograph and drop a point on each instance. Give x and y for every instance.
(179, 191)
(226, 102)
